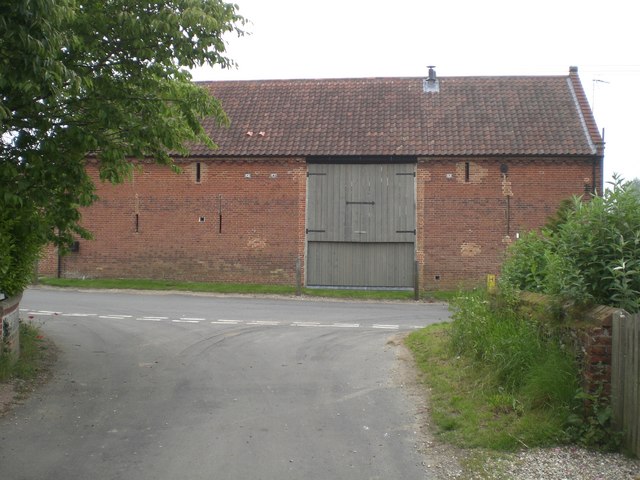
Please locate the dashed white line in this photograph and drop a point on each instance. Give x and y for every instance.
(306, 324)
(222, 321)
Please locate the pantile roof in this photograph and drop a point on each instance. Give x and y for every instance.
(532, 115)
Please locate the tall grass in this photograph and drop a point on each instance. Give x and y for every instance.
(526, 359)
(471, 408)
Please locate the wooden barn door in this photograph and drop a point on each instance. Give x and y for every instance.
(361, 225)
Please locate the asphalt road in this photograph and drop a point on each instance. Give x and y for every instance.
(172, 386)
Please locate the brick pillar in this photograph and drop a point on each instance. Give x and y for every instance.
(596, 341)
(10, 336)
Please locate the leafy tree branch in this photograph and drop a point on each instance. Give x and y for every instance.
(106, 78)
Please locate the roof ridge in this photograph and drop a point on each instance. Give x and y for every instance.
(346, 79)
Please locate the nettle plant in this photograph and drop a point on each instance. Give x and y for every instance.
(588, 254)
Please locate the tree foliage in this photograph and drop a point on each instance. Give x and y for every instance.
(589, 254)
(104, 79)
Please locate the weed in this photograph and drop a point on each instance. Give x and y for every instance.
(590, 423)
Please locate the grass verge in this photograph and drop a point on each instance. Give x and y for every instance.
(33, 350)
(469, 407)
(240, 288)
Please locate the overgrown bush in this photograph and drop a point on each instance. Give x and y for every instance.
(588, 254)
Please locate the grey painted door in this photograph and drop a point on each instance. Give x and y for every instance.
(361, 225)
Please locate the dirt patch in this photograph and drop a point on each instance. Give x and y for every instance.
(442, 461)
(15, 391)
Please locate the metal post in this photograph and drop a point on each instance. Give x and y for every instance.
(298, 277)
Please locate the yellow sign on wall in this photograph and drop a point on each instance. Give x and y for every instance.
(491, 283)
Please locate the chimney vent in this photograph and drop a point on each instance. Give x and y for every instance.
(431, 83)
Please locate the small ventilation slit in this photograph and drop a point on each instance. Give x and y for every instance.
(467, 171)
(198, 172)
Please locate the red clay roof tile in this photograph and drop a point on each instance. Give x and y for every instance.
(545, 115)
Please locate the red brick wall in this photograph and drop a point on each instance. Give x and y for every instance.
(463, 229)
(462, 225)
(48, 264)
(262, 204)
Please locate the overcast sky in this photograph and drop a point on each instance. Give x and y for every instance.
(399, 38)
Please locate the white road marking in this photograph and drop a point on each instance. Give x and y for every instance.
(222, 321)
(305, 324)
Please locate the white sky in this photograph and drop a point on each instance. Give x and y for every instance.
(371, 38)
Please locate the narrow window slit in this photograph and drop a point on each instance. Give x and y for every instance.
(137, 223)
(467, 171)
(198, 171)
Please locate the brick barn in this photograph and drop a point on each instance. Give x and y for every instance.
(355, 179)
